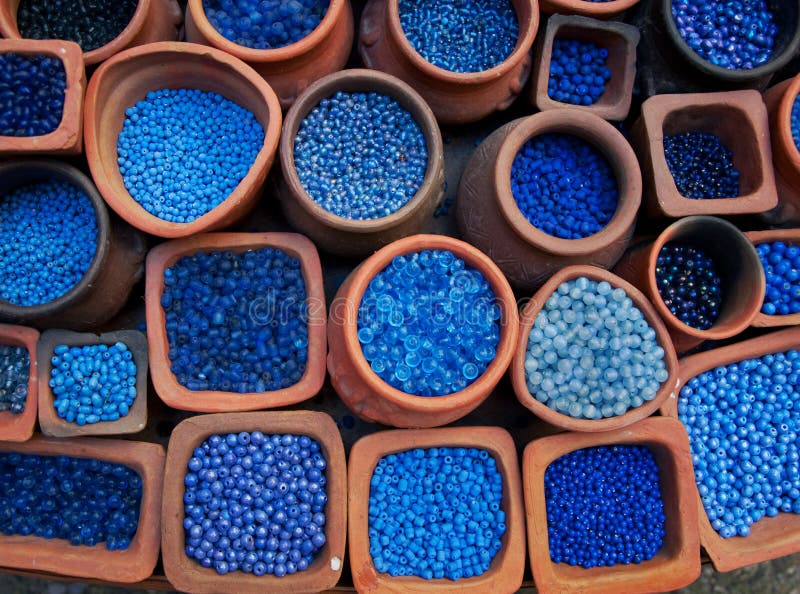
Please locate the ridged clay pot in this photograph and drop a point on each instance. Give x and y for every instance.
(677, 563)
(116, 268)
(126, 79)
(455, 98)
(788, 236)
(785, 154)
(348, 237)
(489, 218)
(743, 282)
(597, 10)
(186, 574)
(506, 570)
(59, 556)
(528, 317)
(20, 427)
(769, 538)
(738, 119)
(164, 381)
(363, 391)
(290, 69)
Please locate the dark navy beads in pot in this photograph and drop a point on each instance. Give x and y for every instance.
(578, 72)
(15, 367)
(781, 262)
(31, 94)
(701, 166)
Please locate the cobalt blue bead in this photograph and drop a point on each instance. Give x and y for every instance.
(15, 365)
(578, 72)
(690, 284)
(781, 262)
(795, 122)
(701, 166)
(31, 94)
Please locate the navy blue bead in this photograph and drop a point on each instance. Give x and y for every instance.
(578, 72)
(701, 166)
(31, 94)
(15, 366)
(781, 264)
(795, 123)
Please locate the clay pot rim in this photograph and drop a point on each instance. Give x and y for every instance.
(509, 322)
(784, 121)
(602, 136)
(122, 202)
(792, 236)
(602, 10)
(385, 84)
(22, 336)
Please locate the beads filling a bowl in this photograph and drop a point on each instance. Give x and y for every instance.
(578, 72)
(31, 94)
(701, 166)
(781, 262)
(15, 365)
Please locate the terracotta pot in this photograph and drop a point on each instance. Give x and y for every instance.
(20, 427)
(769, 538)
(96, 562)
(127, 78)
(116, 268)
(789, 236)
(785, 155)
(455, 98)
(738, 119)
(738, 264)
(153, 20)
(288, 70)
(505, 572)
(618, 38)
(528, 317)
(677, 564)
(164, 381)
(55, 426)
(339, 235)
(489, 218)
(186, 574)
(67, 139)
(590, 8)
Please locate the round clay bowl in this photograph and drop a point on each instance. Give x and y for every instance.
(116, 268)
(20, 427)
(348, 237)
(780, 100)
(126, 79)
(455, 98)
(290, 69)
(789, 236)
(528, 317)
(489, 218)
(597, 10)
(363, 391)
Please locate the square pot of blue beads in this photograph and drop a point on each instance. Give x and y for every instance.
(779, 251)
(19, 382)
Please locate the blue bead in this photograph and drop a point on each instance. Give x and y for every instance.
(587, 62)
(781, 264)
(701, 166)
(690, 284)
(15, 367)
(31, 94)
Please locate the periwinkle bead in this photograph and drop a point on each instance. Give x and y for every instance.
(578, 72)
(701, 166)
(781, 262)
(15, 364)
(31, 94)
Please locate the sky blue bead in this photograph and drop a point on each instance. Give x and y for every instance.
(15, 367)
(31, 94)
(574, 66)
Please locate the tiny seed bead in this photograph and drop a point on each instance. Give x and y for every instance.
(795, 121)
(31, 94)
(781, 262)
(578, 72)
(15, 365)
(701, 166)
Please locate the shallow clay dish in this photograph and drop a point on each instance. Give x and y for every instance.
(20, 427)
(598, 10)
(785, 155)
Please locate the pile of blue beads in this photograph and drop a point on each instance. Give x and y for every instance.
(690, 284)
(360, 155)
(578, 72)
(48, 238)
(743, 421)
(436, 513)
(564, 186)
(82, 500)
(737, 34)
(92, 383)
(236, 322)
(591, 353)
(428, 324)
(15, 368)
(795, 122)
(604, 507)
(265, 24)
(31, 94)
(781, 264)
(701, 166)
(183, 151)
(460, 35)
(255, 503)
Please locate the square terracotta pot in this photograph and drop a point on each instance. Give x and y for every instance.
(186, 574)
(506, 570)
(59, 556)
(55, 426)
(788, 236)
(769, 538)
(738, 118)
(166, 384)
(67, 139)
(20, 427)
(676, 565)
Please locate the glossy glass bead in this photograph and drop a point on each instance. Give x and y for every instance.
(781, 262)
(578, 72)
(690, 284)
(701, 166)
(15, 365)
(31, 94)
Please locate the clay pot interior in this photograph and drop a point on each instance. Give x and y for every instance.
(20, 427)
(598, 10)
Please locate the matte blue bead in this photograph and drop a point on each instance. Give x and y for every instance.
(15, 364)
(31, 94)
(578, 72)
(781, 262)
(701, 166)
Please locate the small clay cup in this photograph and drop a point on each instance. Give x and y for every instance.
(290, 69)
(126, 79)
(677, 563)
(20, 427)
(528, 317)
(769, 538)
(738, 119)
(455, 97)
(348, 237)
(788, 236)
(369, 396)
(489, 218)
(785, 155)
(164, 381)
(597, 10)
(505, 572)
(743, 281)
(153, 20)
(618, 38)
(96, 562)
(55, 426)
(67, 139)
(116, 268)
(186, 574)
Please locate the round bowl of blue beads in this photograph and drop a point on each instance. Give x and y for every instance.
(19, 382)
(779, 251)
